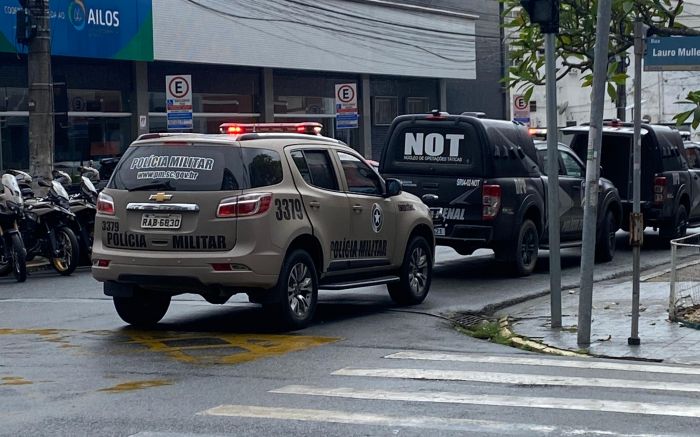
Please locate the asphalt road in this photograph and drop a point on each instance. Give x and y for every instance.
(69, 366)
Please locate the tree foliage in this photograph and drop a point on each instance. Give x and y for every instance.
(576, 39)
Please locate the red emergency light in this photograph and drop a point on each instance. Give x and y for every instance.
(307, 127)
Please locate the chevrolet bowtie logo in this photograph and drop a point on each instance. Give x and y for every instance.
(160, 197)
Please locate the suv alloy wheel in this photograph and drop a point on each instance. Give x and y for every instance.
(415, 275)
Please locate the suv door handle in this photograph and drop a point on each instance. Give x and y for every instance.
(357, 208)
(315, 204)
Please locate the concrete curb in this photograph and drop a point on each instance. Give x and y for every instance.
(525, 343)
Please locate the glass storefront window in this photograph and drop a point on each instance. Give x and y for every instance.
(201, 122)
(13, 99)
(208, 102)
(95, 101)
(87, 138)
(304, 105)
(14, 143)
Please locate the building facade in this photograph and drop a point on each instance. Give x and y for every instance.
(249, 61)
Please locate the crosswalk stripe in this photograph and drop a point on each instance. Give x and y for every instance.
(422, 422)
(626, 407)
(549, 362)
(518, 378)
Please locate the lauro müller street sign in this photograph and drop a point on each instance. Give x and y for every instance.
(346, 106)
(178, 101)
(672, 53)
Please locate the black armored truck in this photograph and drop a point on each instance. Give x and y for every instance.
(669, 190)
(484, 185)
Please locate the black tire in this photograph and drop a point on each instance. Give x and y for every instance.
(19, 258)
(606, 244)
(679, 227)
(296, 292)
(142, 310)
(524, 251)
(415, 275)
(5, 260)
(69, 249)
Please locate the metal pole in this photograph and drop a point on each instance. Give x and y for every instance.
(41, 120)
(595, 137)
(636, 234)
(674, 278)
(553, 181)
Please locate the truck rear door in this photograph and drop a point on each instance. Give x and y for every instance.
(441, 162)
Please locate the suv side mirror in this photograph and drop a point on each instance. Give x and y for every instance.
(393, 187)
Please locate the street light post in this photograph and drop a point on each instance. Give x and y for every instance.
(546, 14)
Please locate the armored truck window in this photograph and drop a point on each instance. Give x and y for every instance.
(361, 179)
(572, 166)
(435, 147)
(316, 168)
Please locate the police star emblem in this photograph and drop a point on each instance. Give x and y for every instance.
(377, 219)
(160, 197)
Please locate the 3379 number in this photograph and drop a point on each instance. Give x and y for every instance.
(289, 209)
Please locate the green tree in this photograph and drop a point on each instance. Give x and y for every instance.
(576, 39)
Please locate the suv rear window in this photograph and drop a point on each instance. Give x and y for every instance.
(435, 147)
(196, 167)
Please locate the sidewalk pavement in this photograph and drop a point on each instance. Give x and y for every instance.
(661, 340)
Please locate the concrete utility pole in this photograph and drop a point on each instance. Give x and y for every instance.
(636, 228)
(595, 137)
(41, 119)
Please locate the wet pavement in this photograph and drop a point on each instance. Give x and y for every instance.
(661, 340)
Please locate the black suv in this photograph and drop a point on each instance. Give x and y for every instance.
(482, 181)
(670, 192)
(572, 183)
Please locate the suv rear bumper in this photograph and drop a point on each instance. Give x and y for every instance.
(187, 272)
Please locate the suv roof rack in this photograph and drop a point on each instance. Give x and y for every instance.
(152, 135)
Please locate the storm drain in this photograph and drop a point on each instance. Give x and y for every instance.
(468, 320)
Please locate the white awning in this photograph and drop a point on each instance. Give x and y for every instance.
(333, 35)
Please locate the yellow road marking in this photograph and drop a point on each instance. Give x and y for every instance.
(136, 385)
(242, 347)
(189, 347)
(14, 380)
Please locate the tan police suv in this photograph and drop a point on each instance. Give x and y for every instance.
(275, 215)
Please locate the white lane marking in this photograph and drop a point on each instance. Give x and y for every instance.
(423, 422)
(518, 378)
(582, 364)
(588, 405)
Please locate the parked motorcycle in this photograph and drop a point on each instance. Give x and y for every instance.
(46, 229)
(84, 206)
(12, 251)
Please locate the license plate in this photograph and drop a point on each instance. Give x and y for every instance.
(440, 232)
(161, 221)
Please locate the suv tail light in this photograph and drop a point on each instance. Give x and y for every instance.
(491, 200)
(659, 189)
(246, 205)
(105, 204)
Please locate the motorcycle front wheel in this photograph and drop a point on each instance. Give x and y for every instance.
(5, 259)
(19, 258)
(68, 253)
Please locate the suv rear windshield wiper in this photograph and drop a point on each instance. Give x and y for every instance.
(153, 185)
